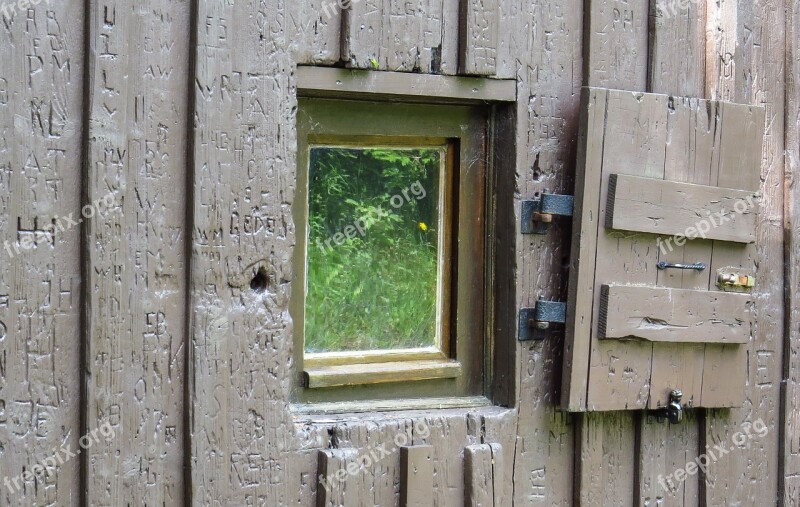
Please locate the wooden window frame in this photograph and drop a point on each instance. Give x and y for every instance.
(366, 109)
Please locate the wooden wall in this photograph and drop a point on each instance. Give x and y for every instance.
(184, 113)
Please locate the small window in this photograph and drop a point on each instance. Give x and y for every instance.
(378, 231)
(390, 210)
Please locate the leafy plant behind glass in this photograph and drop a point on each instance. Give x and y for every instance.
(376, 291)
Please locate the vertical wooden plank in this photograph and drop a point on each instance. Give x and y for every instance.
(751, 471)
(677, 47)
(337, 485)
(790, 451)
(617, 39)
(136, 251)
(40, 269)
(479, 30)
(416, 476)
(315, 30)
(545, 46)
(243, 165)
(577, 340)
(606, 463)
(401, 36)
(615, 57)
(662, 448)
(478, 476)
(721, 30)
(738, 158)
(447, 435)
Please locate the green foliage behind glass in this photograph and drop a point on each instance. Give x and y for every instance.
(376, 290)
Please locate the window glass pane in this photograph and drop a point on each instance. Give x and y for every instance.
(375, 234)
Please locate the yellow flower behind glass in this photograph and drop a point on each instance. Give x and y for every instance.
(423, 226)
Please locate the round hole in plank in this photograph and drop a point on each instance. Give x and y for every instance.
(260, 282)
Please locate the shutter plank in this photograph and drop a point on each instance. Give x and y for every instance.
(673, 208)
(674, 315)
(416, 476)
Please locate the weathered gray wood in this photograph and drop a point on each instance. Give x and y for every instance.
(584, 243)
(342, 83)
(789, 453)
(479, 475)
(674, 315)
(721, 54)
(417, 36)
(41, 71)
(606, 464)
(545, 50)
(616, 44)
(338, 478)
(243, 165)
(479, 37)
(416, 476)
(677, 47)
(681, 209)
(759, 80)
(635, 131)
(136, 252)
(314, 28)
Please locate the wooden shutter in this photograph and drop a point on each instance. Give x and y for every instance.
(651, 167)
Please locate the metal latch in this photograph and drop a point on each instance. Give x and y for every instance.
(673, 412)
(538, 213)
(534, 322)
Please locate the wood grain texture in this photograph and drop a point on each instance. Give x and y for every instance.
(634, 136)
(243, 166)
(338, 479)
(759, 80)
(41, 101)
(671, 208)
(416, 476)
(675, 315)
(419, 36)
(721, 54)
(599, 447)
(479, 37)
(546, 38)
(677, 47)
(137, 277)
(483, 464)
(790, 450)
(314, 29)
(617, 44)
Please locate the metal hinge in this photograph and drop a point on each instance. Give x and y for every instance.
(538, 213)
(534, 322)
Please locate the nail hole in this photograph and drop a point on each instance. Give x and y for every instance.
(260, 282)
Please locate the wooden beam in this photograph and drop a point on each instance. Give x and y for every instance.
(675, 315)
(681, 209)
(344, 83)
(377, 373)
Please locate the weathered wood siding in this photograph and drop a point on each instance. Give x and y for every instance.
(183, 112)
